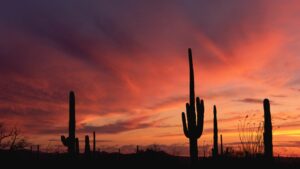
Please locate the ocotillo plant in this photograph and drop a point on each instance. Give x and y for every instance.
(70, 140)
(193, 130)
(268, 145)
(215, 149)
(77, 146)
(87, 149)
(221, 138)
(94, 142)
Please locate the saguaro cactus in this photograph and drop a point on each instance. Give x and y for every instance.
(70, 140)
(215, 149)
(94, 142)
(193, 130)
(268, 145)
(87, 149)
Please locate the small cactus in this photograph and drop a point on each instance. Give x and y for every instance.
(94, 142)
(221, 139)
(215, 149)
(87, 149)
(268, 144)
(38, 151)
(193, 130)
(77, 146)
(70, 140)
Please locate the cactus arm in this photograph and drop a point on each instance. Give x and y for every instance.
(200, 117)
(64, 140)
(185, 130)
(188, 114)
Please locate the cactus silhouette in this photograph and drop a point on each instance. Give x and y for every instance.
(137, 149)
(215, 149)
(77, 146)
(94, 142)
(87, 149)
(221, 139)
(268, 145)
(70, 140)
(193, 127)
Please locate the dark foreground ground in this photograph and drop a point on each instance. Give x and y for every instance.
(26, 159)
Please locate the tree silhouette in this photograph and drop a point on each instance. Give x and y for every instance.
(12, 139)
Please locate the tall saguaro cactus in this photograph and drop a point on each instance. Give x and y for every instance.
(193, 127)
(268, 145)
(70, 141)
(215, 149)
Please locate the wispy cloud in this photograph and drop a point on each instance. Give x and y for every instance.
(255, 101)
(120, 126)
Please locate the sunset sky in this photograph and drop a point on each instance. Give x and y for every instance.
(127, 63)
